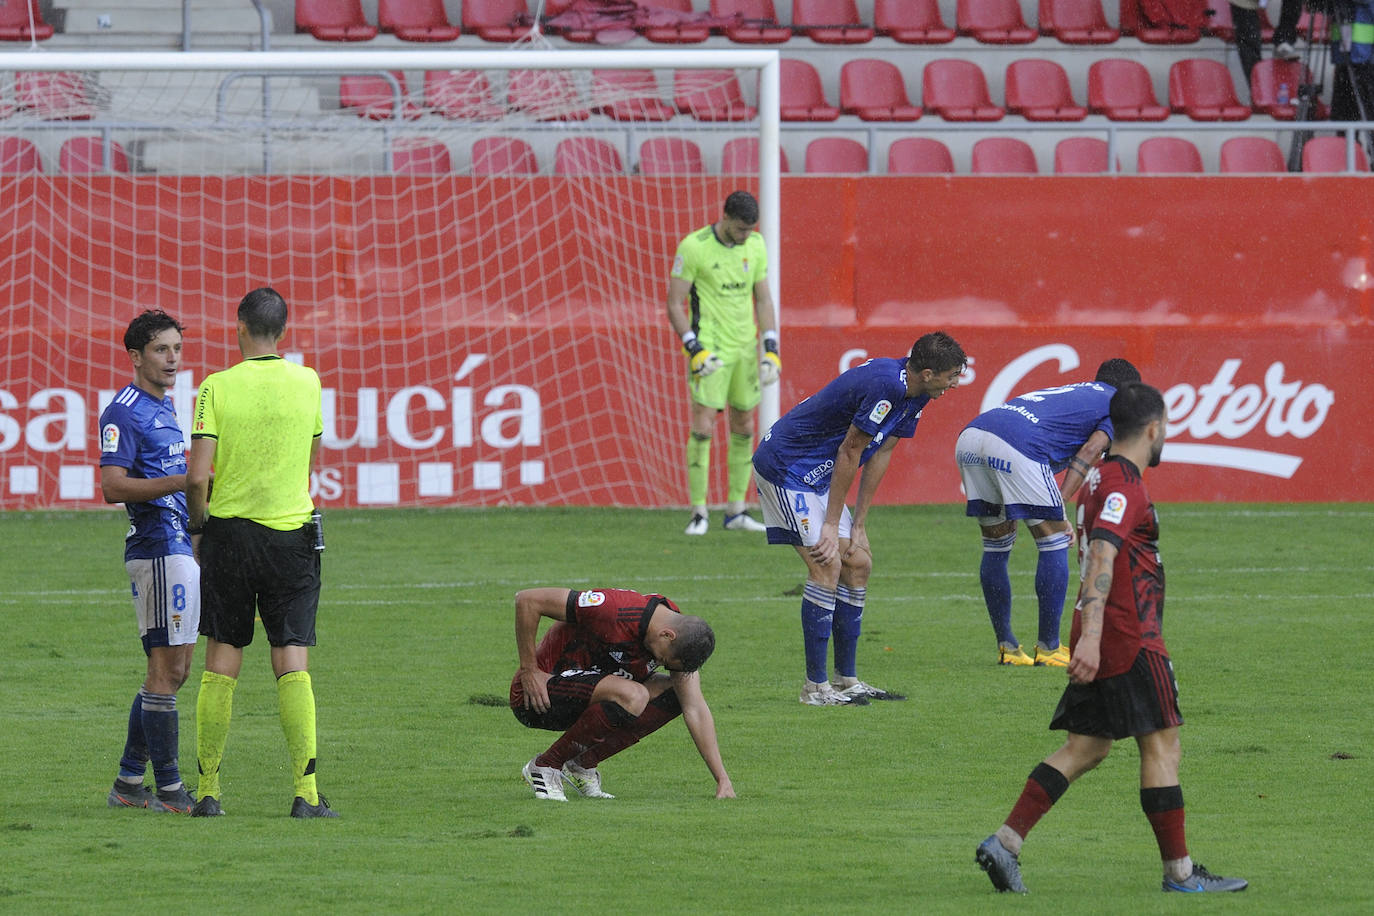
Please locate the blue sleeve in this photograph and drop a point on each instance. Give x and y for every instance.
(119, 435)
(876, 403)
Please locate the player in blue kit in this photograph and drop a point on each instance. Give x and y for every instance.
(805, 467)
(1008, 458)
(143, 465)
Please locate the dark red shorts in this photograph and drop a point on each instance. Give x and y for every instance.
(1138, 702)
(570, 694)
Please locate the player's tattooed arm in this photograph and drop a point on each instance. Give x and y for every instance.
(1081, 464)
(1092, 600)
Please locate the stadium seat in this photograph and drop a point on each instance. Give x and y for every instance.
(1252, 154)
(334, 20)
(836, 156)
(758, 22)
(1167, 156)
(14, 22)
(1327, 154)
(913, 22)
(673, 25)
(587, 156)
(1313, 25)
(372, 96)
(740, 156)
(85, 155)
(461, 95)
(1202, 89)
(53, 96)
(956, 90)
(1219, 22)
(832, 22)
(630, 95)
(1038, 90)
(1076, 22)
(1003, 156)
(670, 156)
(994, 22)
(801, 95)
(416, 20)
(1123, 91)
(420, 156)
(495, 20)
(18, 154)
(546, 95)
(1272, 79)
(875, 91)
(1081, 156)
(919, 156)
(711, 95)
(503, 156)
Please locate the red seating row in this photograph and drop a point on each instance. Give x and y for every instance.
(78, 155)
(21, 21)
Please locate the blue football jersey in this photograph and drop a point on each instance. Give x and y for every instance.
(140, 433)
(1051, 425)
(799, 451)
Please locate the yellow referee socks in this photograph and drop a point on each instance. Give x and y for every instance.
(214, 709)
(296, 706)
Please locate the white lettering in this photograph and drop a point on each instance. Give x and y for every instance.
(851, 358)
(365, 436)
(398, 416)
(9, 427)
(326, 483)
(71, 415)
(1005, 382)
(1219, 408)
(526, 416)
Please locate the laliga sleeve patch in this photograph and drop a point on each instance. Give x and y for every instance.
(677, 266)
(1113, 508)
(109, 438)
(880, 410)
(591, 599)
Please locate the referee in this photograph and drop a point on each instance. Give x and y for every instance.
(258, 424)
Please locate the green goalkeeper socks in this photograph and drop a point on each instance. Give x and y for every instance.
(296, 706)
(214, 708)
(698, 468)
(739, 458)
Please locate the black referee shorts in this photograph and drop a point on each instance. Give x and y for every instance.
(248, 569)
(1138, 702)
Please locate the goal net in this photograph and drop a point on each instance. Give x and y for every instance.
(474, 247)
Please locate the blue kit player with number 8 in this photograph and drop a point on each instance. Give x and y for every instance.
(143, 466)
(1008, 457)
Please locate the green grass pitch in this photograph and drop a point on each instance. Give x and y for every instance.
(866, 810)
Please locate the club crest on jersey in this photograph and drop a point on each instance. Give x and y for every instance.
(591, 599)
(880, 410)
(109, 438)
(744, 264)
(1113, 508)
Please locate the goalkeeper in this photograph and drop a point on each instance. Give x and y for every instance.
(719, 304)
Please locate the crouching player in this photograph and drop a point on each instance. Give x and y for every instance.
(593, 677)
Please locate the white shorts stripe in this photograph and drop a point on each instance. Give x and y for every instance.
(166, 593)
(1000, 483)
(795, 516)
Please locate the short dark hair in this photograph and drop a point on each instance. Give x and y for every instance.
(1133, 406)
(263, 311)
(742, 205)
(695, 642)
(936, 351)
(146, 326)
(1117, 372)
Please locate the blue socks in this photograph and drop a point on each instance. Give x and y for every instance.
(997, 585)
(1052, 584)
(849, 615)
(161, 731)
(135, 759)
(817, 613)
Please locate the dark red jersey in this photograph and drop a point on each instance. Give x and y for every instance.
(1116, 508)
(604, 632)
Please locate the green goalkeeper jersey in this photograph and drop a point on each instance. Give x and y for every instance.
(721, 303)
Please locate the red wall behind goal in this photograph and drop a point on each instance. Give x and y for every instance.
(1247, 300)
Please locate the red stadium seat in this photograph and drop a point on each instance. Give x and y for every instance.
(801, 95)
(462, 95)
(1123, 91)
(85, 155)
(875, 91)
(836, 156)
(15, 22)
(1076, 22)
(503, 156)
(54, 96)
(420, 156)
(1219, 22)
(18, 154)
(667, 28)
(1003, 156)
(416, 20)
(1081, 156)
(1327, 154)
(995, 22)
(758, 22)
(1038, 90)
(957, 91)
(919, 156)
(914, 22)
(547, 95)
(629, 95)
(1202, 89)
(334, 20)
(1167, 156)
(1252, 154)
(587, 156)
(1271, 80)
(832, 22)
(373, 97)
(495, 20)
(670, 156)
(711, 95)
(740, 156)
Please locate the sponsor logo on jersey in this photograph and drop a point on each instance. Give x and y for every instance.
(1113, 508)
(109, 438)
(880, 410)
(591, 599)
(818, 472)
(677, 266)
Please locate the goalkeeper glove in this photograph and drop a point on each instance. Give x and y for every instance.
(770, 367)
(703, 361)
